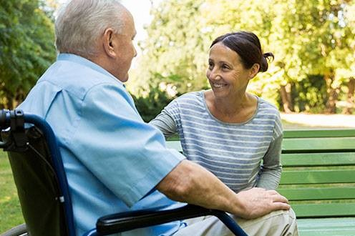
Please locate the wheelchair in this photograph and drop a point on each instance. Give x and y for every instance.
(43, 191)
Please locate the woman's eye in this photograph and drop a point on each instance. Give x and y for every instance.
(225, 67)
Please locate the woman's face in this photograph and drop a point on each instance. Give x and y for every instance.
(226, 74)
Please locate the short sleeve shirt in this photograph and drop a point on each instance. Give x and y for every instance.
(112, 158)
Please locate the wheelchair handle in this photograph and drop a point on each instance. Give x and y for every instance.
(16, 121)
(4, 118)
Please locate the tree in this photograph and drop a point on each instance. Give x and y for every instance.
(176, 48)
(26, 47)
(312, 40)
(329, 50)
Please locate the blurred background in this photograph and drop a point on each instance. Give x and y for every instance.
(312, 40)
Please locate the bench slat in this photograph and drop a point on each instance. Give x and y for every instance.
(321, 144)
(343, 226)
(317, 176)
(323, 209)
(318, 193)
(318, 133)
(318, 159)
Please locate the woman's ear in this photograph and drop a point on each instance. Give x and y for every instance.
(254, 70)
(108, 42)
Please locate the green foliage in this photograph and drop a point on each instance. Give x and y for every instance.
(26, 47)
(152, 104)
(312, 37)
(310, 94)
(177, 45)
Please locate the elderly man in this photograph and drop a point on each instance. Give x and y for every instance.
(113, 160)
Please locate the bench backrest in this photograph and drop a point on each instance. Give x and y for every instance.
(318, 171)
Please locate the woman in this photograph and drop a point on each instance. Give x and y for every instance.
(234, 134)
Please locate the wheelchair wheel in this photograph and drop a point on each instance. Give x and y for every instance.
(19, 230)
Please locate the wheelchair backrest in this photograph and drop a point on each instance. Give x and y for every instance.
(36, 180)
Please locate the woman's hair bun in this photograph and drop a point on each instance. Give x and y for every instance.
(264, 65)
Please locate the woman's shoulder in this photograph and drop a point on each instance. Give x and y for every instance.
(270, 112)
(191, 97)
(268, 106)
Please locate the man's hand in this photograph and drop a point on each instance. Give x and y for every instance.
(257, 202)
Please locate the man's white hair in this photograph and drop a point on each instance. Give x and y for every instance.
(80, 23)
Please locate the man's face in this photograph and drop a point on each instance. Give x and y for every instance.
(126, 50)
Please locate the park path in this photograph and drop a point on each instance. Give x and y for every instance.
(319, 120)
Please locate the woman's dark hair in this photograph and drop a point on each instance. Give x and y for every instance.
(248, 47)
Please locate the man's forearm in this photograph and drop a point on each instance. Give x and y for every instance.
(193, 184)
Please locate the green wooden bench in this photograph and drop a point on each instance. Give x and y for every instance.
(318, 178)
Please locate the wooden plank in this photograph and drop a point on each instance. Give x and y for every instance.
(318, 193)
(317, 133)
(340, 226)
(317, 176)
(323, 209)
(316, 145)
(318, 159)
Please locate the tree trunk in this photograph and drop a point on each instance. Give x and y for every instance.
(332, 94)
(286, 98)
(350, 101)
(333, 98)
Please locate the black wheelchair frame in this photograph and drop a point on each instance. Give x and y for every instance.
(22, 135)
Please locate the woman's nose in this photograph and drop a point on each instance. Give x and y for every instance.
(214, 75)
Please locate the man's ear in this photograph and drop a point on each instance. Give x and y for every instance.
(254, 70)
(109, 44)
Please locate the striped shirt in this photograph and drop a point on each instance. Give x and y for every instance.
(242, 155)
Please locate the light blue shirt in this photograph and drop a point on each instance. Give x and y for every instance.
(113, 160)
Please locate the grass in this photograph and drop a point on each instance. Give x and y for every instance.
(10, 210)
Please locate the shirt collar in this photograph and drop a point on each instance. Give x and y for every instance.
(85, 62)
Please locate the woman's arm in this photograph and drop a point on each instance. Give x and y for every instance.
(271, 168)
(165, 123)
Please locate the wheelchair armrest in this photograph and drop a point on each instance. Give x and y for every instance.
(126, 221)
